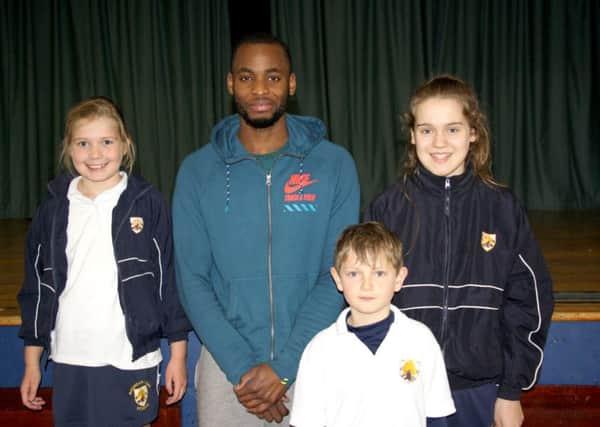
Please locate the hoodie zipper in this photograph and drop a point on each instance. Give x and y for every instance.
(447, 235)
(268, 177)
(268, 182)
(270, 263)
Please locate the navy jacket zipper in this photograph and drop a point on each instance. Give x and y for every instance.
(447, 256)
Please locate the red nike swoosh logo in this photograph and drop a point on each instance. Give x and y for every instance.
(293, 187)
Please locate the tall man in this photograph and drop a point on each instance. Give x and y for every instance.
(256, 216)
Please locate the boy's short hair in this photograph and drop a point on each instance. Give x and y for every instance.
(368, 241)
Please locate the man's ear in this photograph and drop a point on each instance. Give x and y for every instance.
(336, 279)
(230, 83)
(402, 273)
(292, 84)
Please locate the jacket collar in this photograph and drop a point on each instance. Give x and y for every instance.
(341, 326)
(59, 186)
(436, 185)
(304, 133)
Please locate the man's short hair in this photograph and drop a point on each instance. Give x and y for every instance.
(261, 38)
(368, 241)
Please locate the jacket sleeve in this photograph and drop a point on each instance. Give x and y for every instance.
(174, 323)
(30, 295)
(324, 302)
(193, 265)
(526, 314)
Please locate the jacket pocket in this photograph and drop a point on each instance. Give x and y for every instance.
(474, 342)
(140, 290)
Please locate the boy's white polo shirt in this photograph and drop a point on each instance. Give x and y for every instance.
(341, 383)
(90, 325)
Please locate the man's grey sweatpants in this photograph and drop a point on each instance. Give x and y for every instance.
(216, 402)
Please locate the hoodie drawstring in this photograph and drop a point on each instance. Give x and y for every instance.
(227, 186)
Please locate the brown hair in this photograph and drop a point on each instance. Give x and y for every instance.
(479, 157)
(93, 108)
(368, 241)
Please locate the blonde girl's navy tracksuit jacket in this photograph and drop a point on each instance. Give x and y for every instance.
(143, 247)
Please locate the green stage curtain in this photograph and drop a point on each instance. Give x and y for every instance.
(356, 63)
(163, 62)
(535, 65)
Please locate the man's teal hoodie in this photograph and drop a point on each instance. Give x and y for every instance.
(253, 247)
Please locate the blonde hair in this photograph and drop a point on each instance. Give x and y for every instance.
(368, 241)
(479, 157)
(93, 108)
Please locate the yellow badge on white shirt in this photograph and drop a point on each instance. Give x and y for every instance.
(409, 370)
(137, 224)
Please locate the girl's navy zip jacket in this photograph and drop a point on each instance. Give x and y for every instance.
(143, 247)
(476, 277)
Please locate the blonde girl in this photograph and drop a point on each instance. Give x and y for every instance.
(99, 289)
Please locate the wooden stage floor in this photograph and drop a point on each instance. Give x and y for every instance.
(570, 242)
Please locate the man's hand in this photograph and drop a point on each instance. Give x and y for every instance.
(261, 392)
(508, 413)
(276, 413)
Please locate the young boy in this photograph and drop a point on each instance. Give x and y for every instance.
(374, 366)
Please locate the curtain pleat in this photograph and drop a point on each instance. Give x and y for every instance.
(534, 64)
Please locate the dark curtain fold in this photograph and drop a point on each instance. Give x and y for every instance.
(533, 63)
(163, 62)
(535, 66)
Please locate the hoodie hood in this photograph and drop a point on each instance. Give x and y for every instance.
(304, 133)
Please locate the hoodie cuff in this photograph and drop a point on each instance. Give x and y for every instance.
(284, 370)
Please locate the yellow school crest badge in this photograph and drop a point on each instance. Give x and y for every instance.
(140, 393)
(409, 371)
(137, 224)
(488, 241)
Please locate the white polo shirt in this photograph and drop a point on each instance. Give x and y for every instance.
(341, 383)
(90, 325)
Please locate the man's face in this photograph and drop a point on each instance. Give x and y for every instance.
(260, 83)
